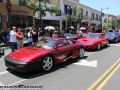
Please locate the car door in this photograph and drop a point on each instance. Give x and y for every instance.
(103, 40)
(61, 53)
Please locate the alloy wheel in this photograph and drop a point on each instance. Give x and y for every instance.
(47, 63)
(81, 52)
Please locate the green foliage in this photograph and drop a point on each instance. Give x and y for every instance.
(43, 7)
(78, 14)
(118, 22)
(108, 24)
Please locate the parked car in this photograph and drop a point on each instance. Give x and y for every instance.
(94, 41)
(113, 36)
(66, 35)
(44, 54)
(70, 36)
(25, 39)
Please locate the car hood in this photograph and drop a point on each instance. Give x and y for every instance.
(27, 54)
(88, 40)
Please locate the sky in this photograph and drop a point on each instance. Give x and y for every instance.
(114, 5)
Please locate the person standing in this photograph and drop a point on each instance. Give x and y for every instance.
(40, 33)
(13, 40)
(34, 34)
(30, 40)
(20, 38)
(4, 35)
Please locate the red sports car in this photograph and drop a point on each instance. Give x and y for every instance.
(44, 54)
(94, 41)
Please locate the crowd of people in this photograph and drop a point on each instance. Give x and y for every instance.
(14, 37)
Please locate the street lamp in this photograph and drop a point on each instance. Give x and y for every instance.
(102, 15)
(70, 13)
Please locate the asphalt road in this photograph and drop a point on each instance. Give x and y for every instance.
(99, 70)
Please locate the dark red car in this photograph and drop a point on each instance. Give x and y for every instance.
(44, 54)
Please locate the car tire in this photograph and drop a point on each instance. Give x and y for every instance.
(116, 40)
(98, 46)
(46, 63)
(107, 44)
(81, 52)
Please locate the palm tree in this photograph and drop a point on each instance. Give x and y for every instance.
(78, 15)
(42, 8)
(8, 8)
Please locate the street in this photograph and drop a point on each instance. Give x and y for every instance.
(98, 70)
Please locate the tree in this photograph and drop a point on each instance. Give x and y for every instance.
(78, 15)
(8, 8)
(118, 22)
(42, 8)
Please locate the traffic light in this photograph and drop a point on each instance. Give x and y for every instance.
(58, 13)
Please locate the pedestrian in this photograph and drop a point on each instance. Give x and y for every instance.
(40, 34)
(30, 40)
(4, 35)
(20, 38)
(13, 40)
(55, 35)
(34, 34)
(8, 36)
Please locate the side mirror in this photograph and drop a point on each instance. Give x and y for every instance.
(60, 45)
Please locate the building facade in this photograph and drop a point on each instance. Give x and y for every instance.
(21, 16)
(110, 21)
(58, 21)
(94, 17)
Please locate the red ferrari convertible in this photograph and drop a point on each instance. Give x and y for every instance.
(44, 54)
(94, 41)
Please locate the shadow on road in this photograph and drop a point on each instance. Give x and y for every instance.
(35, 74)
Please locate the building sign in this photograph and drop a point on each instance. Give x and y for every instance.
(20, 11)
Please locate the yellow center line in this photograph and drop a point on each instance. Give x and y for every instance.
(106, 80)
(101, 77)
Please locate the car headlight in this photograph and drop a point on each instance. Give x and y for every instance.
(92, 42)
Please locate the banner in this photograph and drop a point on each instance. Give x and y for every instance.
(5, 17)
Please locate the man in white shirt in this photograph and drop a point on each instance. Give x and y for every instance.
(13, 40)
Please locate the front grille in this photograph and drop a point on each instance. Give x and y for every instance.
(10, 64)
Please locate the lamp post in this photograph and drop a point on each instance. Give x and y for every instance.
(41, 14)
(70, 13)
(102, 14)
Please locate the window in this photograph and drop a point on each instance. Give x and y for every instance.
(22, 2)
(99, 18)
(70, 42)
(86, 13)
(65, 9)
(105, 20)
(63, 42)
(96, 17)
(1, 0)
(92, 16)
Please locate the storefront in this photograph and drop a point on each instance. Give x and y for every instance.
(21, 17)
(54, 23)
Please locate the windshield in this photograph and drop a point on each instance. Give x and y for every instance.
(24, 33)
(68, 34)
(110, 33)
(93, 35)
(48, 44)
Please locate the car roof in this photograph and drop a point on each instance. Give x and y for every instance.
(94, 33)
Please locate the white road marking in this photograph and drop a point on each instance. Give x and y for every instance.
(115, 45)
(84, 62)
(1, 84)
(4, 72)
